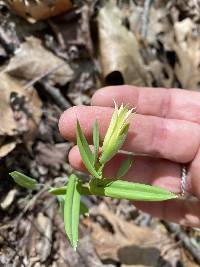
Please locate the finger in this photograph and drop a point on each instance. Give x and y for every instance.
(183, 212)
(158, 137)
(167, 103)
(155, 172)
(144, 170)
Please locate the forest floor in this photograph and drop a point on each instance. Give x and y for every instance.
(51, 65)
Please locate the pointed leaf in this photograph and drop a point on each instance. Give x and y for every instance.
(24, 180)
(86, 157)
(57, 191)
(131, 191)
(95, 142)
(136, 191)
(125, 166)
(72, 210)
(84, 142)
(81, 187)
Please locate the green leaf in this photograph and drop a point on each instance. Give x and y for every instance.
(24, 180)
(127, 190)
(84, 209)
(81, 187)
(57, 191)
(86, 153)
(72, 210)
(95, 142)
(84, 142)
(125, 166)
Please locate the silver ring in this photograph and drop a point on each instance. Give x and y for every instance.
(183, 180)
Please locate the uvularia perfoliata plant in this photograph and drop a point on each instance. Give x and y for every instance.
(69, 195)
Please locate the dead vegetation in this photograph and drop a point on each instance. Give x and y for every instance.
(50, 65)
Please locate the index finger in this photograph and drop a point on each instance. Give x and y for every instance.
(167, 103)
(154, 136)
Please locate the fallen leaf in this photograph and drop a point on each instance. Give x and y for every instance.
(43, 247)
(187, 48)
(159, 26)
(5, 149)
(188, 8)
(119, 50)
(130, 244)
(162, 73)
(51, 154)
(32, 61)
(40, 9)
(160, 29)
(186, 259)
(8, 200)
(85, 256)
(159, 33)
(20, 113)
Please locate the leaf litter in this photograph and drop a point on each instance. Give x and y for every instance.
(32, 60)
(20, 113)
(86, 63)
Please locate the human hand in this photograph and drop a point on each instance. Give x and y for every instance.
(166, 129)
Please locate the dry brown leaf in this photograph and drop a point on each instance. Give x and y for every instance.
(85, 256)
(8, 200)
(8, 125)
(119, 50)
(44, 246)
(187, 259)
(131, 245)
(51, 154)
(40, 9)
(5, 149)
(32, 60)
(190, 9)
(20, 113)
(162, 73)
(187, 48)
(159, 32)
(160, 28)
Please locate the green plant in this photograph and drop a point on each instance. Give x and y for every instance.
(69, 195)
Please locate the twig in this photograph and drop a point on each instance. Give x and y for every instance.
(175, 228)
(145, 18)
(56, 95)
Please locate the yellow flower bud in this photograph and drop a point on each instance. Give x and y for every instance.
(116, 133)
